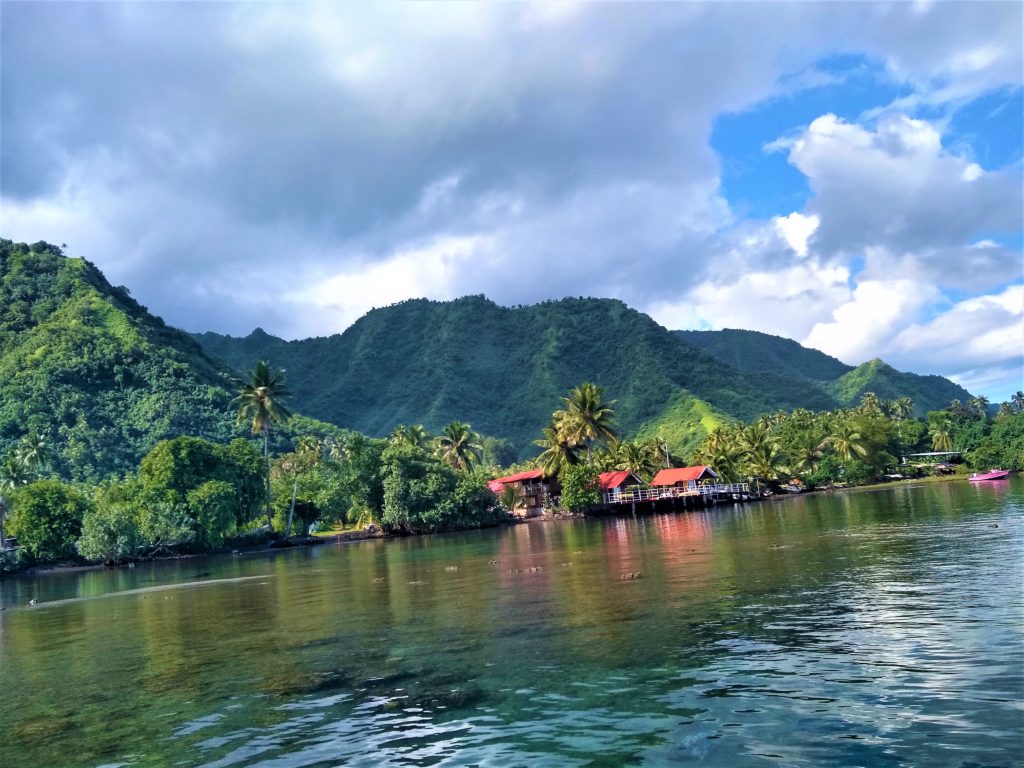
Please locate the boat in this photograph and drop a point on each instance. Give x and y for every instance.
(992, 474)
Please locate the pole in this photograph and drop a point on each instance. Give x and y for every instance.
(295, 491)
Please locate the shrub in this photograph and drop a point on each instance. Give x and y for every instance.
(47, 519)
(110, 532)
(212, 510)
(580, 488)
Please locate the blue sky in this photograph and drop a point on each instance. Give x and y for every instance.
(845, 174)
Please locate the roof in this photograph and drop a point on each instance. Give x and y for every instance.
(682, 475)
(530, 474)
(609, 480)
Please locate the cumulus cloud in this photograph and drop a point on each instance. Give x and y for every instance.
(293, 165)
(895, 186)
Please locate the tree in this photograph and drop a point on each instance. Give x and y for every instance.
(33, 452)
(559, 451)
(580, 487)
(415, 435)
(847, 442)
(806, 452)
(47, 519)
(642, 459)
(942, 436)
(110, 531)
(588, 417)
(459, 446)
(1017, 401)
(869, 403)
(979, 405)
(260, 401)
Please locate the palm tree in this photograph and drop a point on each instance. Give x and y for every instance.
(642, 459)
(459, 445)
(1005, 410)
(903, 408)
(942, 437)
(847, 442)
(309, 447)
(806, 452)
(869, 403)
(979, 405)
(414, 435)
(766, 461)
(260, 401)
(336, 449)
(1017, 401)
(723, 451)
(33, 452)
(13, 472)
(559, 450)
(588, 417)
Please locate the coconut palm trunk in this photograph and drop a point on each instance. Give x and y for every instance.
(266, 472)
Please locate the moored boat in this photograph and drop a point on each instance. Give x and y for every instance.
(992, 474)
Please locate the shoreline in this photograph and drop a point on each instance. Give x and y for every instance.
(351, 537)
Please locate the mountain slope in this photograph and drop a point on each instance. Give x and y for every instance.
(504, 370)
(89, 369)
(929, 393)
(758, 353)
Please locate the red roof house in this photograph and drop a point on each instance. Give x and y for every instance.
(683, 476)
(611, 480)
(532, 490)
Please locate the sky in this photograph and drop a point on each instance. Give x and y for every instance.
(848, 175)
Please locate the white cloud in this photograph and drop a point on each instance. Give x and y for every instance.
(797, 230)
(862, 326)
(983, 330)
(359, 156)
(895, 186)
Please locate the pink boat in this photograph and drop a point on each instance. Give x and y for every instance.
(992, 474)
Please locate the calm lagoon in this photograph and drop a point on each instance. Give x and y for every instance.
(872, 628)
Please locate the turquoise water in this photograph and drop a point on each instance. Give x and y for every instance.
(873, 628)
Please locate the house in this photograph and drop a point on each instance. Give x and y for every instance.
(532, 490)
(684, 477)
(613, 483)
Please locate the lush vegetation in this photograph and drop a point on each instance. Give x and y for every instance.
(121, 438)
(864, 443)
(85, 369)
(763, 354)
(505, 370)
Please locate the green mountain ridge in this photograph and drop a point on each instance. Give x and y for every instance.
(759, 353)
(91, 371)
(504, 369)
(102, 380)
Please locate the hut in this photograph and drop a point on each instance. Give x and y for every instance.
(684, 477)
(532, 490)
(613, 484)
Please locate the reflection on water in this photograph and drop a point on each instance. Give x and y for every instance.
(871, 628)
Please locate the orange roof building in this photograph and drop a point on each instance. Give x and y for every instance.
(683, 476)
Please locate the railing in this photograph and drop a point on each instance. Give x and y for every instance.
(643, 493)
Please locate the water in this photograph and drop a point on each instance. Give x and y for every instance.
(869, 628)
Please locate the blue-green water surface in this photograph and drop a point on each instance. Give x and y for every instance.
(871, 628)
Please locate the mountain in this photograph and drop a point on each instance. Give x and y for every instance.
(89, 369)
(504, 370)
(93, 373)
(929, 393)
(761, 352)
(102, 380)
(758, 353)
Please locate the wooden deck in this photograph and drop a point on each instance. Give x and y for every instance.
(638, 493)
